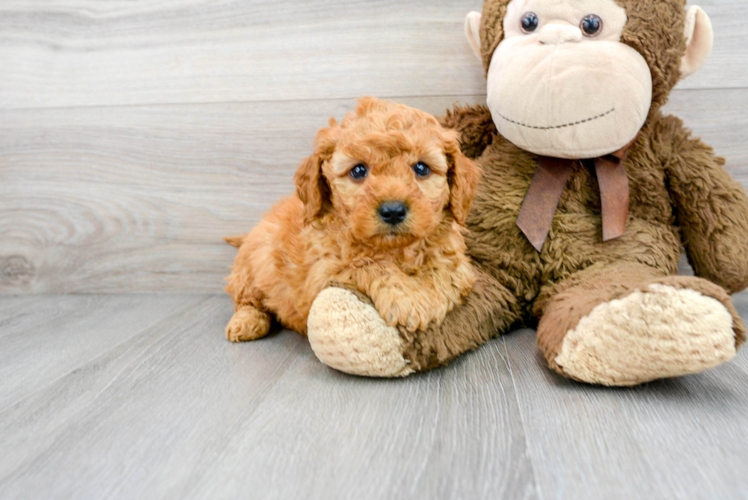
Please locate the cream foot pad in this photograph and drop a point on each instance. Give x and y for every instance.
(663, 332)
(350, 336)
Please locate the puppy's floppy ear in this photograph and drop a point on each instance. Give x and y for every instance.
(312, 188)
(463, 176)
(311, 185)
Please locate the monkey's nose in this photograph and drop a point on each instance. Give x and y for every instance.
(555, 34)
(393, 212)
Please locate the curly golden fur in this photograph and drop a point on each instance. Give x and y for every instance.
(331, 230)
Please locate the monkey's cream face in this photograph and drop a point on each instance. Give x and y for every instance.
(562, 84)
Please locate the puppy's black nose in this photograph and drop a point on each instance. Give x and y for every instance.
(393, 212)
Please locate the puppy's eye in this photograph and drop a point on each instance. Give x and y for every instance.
(591, 25)
(359, 172)
(529, 22)
(421, 169)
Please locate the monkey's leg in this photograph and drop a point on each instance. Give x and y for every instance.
(248, 323)
(347, 333)
(625, 324)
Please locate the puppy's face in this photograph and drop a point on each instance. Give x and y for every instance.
(392, 172)
(391, 186)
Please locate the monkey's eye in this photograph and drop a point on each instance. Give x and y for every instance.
(359, 172)
(421, 169)
(530, 22)
(591, 25)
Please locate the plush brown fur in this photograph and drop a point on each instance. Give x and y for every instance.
(680, 197)
(329, 231)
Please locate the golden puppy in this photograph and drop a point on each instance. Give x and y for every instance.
(379, 205)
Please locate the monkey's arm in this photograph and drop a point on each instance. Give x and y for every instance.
(475, 125)
(346, 332)
(711, 209)
(488, 311)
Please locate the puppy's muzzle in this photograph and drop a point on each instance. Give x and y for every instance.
(393, 212)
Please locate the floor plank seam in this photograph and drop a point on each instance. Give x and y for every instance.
(291, 101)
(260, 102)
(515, 387)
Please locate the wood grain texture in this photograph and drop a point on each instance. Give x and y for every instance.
(37, 348)
(90, 53)
(175, 411)
(164, 407)
(138, 198)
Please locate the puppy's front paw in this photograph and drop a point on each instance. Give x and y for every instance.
(248, 323)
(403, 314)
(409, 310)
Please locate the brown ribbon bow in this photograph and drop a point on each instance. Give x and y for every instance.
(541, 201)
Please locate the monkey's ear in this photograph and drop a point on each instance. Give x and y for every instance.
(699, 41)
(472, 32)
(312, 188)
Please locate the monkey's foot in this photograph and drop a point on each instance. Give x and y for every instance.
(660, 332)
(349, 335)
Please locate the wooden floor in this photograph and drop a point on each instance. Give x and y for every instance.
(134, 134)
(133, 396)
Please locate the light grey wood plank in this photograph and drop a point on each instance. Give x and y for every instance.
(12, 307)
(138, 198)
(78, 422)
(741, 304)
(86, 53)
(46, 337)
(447, 434)
(682, 438)
(89, 53)
(177, 412)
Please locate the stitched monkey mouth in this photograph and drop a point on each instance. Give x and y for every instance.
(552, 127)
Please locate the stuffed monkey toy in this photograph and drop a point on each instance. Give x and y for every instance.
(588, 196)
